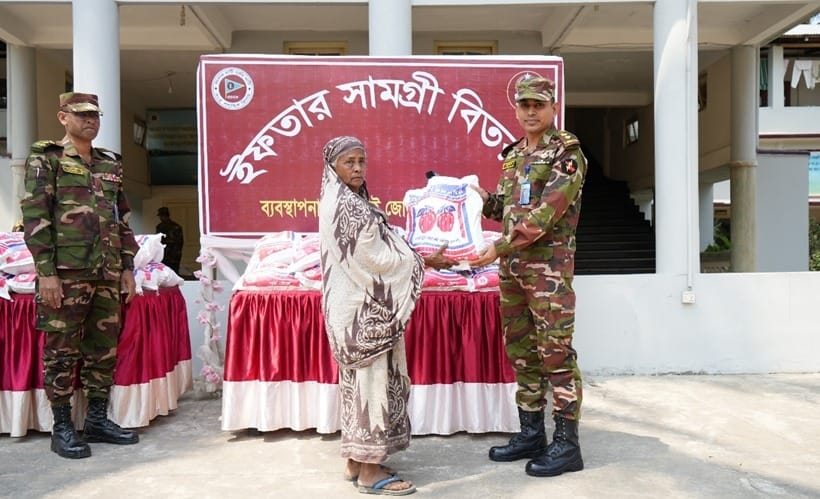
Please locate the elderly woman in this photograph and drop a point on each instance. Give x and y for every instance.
(371, 279)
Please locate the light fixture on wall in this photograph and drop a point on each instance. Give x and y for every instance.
(170, 82)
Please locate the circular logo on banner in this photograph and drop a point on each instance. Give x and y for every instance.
(232, 88)
(512, 84)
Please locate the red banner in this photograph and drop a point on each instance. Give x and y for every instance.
(263, 121)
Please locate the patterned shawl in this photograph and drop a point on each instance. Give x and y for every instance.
(371, 278)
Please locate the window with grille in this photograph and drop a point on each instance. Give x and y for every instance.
(466, 48)
(315, 48)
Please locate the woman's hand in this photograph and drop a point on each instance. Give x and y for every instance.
(438, 261)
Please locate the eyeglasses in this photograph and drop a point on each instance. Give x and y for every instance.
(87, 115)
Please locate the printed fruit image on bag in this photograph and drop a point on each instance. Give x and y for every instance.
(448, 211)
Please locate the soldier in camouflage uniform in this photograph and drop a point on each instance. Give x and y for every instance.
(538, 201)
(75, 218)
(172, 239)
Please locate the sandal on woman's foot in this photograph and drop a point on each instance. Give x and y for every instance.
(378, 487)
(387, 469)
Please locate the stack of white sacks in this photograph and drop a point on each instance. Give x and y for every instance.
(284, 260)
(17, 273)
(447, 210)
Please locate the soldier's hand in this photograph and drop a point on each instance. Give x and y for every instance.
(50, 290)
(487, 257)
(128, 285)
(481, 192)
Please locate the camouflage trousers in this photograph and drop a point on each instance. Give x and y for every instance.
(86, 328)
(538, 319)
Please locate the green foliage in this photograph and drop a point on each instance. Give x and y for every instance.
(721, 241)
(814, 244)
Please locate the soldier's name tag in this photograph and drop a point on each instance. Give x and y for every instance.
(539, 163)
(73, 169)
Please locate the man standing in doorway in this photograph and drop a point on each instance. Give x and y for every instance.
(172, 238)
(538, 201)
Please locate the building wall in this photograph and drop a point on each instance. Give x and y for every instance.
(782, 189)
(633, 163)
(519, 43)
(714, 132)
(135, 157)
(265, 42)
(728, 329)
(51, 81)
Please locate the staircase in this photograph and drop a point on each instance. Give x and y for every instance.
(612, 237)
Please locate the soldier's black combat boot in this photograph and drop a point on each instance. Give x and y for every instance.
(98, 428)
(531, 441)
(563, 454)
(64, 438)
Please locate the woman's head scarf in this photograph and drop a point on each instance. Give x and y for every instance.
(338, 146)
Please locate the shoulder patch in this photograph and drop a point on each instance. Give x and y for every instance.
(109, 154)
(569, 166)
(570, 141)
(41, 145)
(509, 148)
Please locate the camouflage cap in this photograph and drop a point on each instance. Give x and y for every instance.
(76, 102)
(535, 88)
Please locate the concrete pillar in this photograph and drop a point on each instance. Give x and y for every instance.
(96, 35)
(22, 113)
(743, 160)
(676, 137)
(707, 214)
(777, 69)
(390, 27)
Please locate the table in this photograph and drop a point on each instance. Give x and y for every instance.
(153, 364)
(280, 373)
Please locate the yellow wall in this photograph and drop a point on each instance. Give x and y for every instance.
(714, 130)
(50, 84)
(634, 163)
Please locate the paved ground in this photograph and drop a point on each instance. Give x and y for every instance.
(748, 436)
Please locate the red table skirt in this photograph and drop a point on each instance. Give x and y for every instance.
(280, 373)
(153, 363)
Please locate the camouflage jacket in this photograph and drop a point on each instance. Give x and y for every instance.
(75, 215)
(542, 227)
